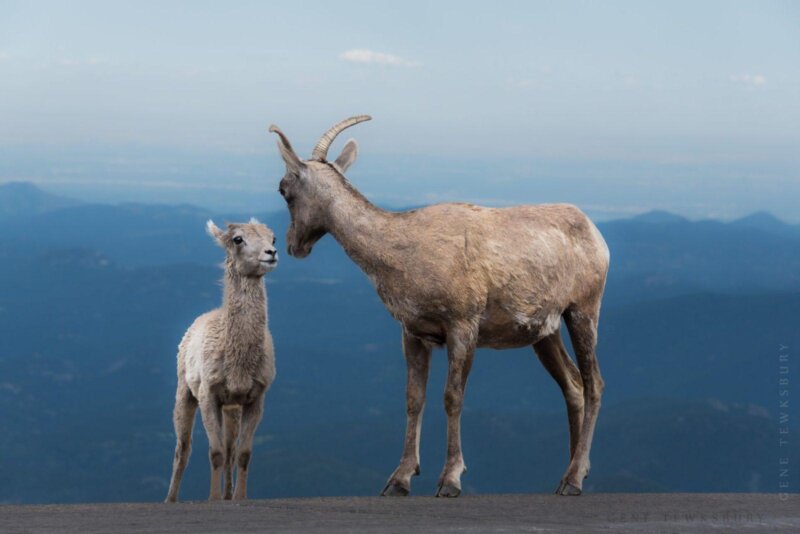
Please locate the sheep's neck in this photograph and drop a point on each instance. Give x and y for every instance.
(361, 228)
(244, 313)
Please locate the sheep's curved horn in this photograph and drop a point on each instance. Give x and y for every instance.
(321, 150)
(286, 143)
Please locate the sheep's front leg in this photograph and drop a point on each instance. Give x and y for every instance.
(211, 413)
(251, 416)
(418, 359)
(461, 341)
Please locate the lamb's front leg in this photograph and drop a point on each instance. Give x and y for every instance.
(231, 419)
(418, 359)
(251, 416)
(211, 413)
(461, 342)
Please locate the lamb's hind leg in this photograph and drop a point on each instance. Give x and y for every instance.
(461, 342)
(556, 360)
(183, 418)
(211, 412)
(418, 359)
(251, 415)
(582, 325)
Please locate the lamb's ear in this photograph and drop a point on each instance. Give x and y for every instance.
(348, 156)
(253, 220)
(293, 163)
(214, 232)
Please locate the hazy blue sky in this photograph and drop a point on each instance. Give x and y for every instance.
(618, 106)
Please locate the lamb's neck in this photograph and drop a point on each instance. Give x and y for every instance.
(362, 229)
(244, 307)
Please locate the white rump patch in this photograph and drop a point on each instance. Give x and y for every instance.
(543, 327)
(193, 350)
(551, 324)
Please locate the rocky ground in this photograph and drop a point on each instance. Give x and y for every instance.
(491, 513)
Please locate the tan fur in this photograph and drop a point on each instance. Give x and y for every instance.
(466, 276)
(226, 363)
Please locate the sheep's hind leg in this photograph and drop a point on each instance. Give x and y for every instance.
(418, 359)
(211, 412)
(582, 325)
(251, 416)
(556, 360)
(461, 342)
(231, 417)
(183, 419)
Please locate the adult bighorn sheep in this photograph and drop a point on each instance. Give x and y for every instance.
(463, 276)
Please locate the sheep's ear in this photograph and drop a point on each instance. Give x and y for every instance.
(348, 156)
(214, 232)
(293, 163)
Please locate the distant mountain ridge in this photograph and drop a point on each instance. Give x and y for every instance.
(659, 217)
(767, 222)
(761, 220)
(653, 255)
(26, 199)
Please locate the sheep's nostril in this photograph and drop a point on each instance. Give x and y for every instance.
(271, 252)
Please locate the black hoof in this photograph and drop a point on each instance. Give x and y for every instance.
(448, 490)
(565, 488)
(394, 490)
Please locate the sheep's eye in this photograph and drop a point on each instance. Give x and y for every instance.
(273, 240)
(285, 195)
(238, 240)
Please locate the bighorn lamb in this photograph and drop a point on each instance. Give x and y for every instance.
(226, 362)
(463, 276)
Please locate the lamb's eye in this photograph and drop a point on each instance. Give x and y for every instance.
(238, 240)
(273, 240)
